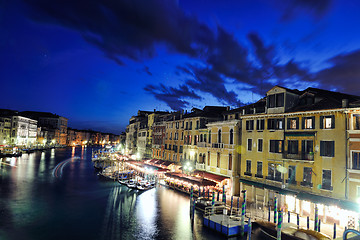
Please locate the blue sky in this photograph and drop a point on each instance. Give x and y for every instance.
(98, 62)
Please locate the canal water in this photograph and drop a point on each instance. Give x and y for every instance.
(57, 195)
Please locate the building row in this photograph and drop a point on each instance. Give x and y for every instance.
(30, 129)
(302, 147)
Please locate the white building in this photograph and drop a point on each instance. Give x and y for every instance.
(23, 131)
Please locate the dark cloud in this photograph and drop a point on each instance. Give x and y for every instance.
(129, 29)
(146, 70)
(174, 97)
(293, 8)
(344, 74)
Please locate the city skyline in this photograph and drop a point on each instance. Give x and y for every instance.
(97, 63)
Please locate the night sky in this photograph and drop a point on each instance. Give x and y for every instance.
(97, 62)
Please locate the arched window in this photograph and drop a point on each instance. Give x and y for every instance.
(209, 136)
(201, 137)
(219, 136)
(231, 136)
(204, 137)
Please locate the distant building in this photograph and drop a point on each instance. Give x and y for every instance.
(54, 124)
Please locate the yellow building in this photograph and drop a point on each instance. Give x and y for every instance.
(296, 148)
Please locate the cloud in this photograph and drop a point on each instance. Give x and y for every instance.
(173, 97)
(344, 73)
(293, 8)
(127, 28)
(146, 70)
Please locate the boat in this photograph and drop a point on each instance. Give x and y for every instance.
(132, 184)
(288, 232)
(145, 185)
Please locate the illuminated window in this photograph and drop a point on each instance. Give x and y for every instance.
(293, 123)
(327, 122)
(308, 122)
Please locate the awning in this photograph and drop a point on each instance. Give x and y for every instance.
(301, 195)
(267, 186)
(190, 179)
(210, 176)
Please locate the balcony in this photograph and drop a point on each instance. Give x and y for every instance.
(217, 145)
(272, 178)
(200, 166)
(291, 181)
(202, 144)
(299, 156)
(306, 184)
(248, 174)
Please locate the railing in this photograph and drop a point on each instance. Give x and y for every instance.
(298, 156)
(202, 144)
(217, 145)
(200, 166)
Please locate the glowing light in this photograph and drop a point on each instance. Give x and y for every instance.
(44, 141)
(192, 153)
(290, 201)
(306, 206)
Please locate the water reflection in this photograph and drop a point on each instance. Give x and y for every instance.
(35, 204)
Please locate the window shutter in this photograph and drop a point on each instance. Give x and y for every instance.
(321, 122)
(303, 122)
(288, 123)
(332, 149)
(313, 122)
(333, 121)
(322, 146)
(303, 147)
(297, 123)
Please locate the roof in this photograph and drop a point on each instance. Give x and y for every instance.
(210, 176)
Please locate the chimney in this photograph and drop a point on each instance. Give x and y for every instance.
(345, 103)
(228, 108)
(154, 110)
(243, 112)
(254, 109)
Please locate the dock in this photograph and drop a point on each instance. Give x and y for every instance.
(226, 224)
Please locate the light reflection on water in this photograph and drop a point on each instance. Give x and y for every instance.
(78, 205)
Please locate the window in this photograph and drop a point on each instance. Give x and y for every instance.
(190, 125)
(169, 146)
(327, 148)
(291, 174)
(259, 170)
(219, 136)
(307, 146)
(293, 123)
(308, 122)
(248, 166)
(182, 135)
(195, 139)
(356, 160)
(197, 124)
(209, 136)
(165, 146)
(187, 126)
(181, 149)
(204, 137)
(307, 176)
(293, 146)
(273, 172)
(356, 122)
(260, 124)
(326, 180)
(230, 161)
(250, 125)
(209, 158)
(276, 100)
(276, 146)
(260, 145)
(249, 145)
(327, 122)
(231, 136)
(275, 124)
(218, 160)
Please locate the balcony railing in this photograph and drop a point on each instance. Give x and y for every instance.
(217, 145)
(298, 156)
(200, 166)
(272, 178)
(306, 184)
(202, 144)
